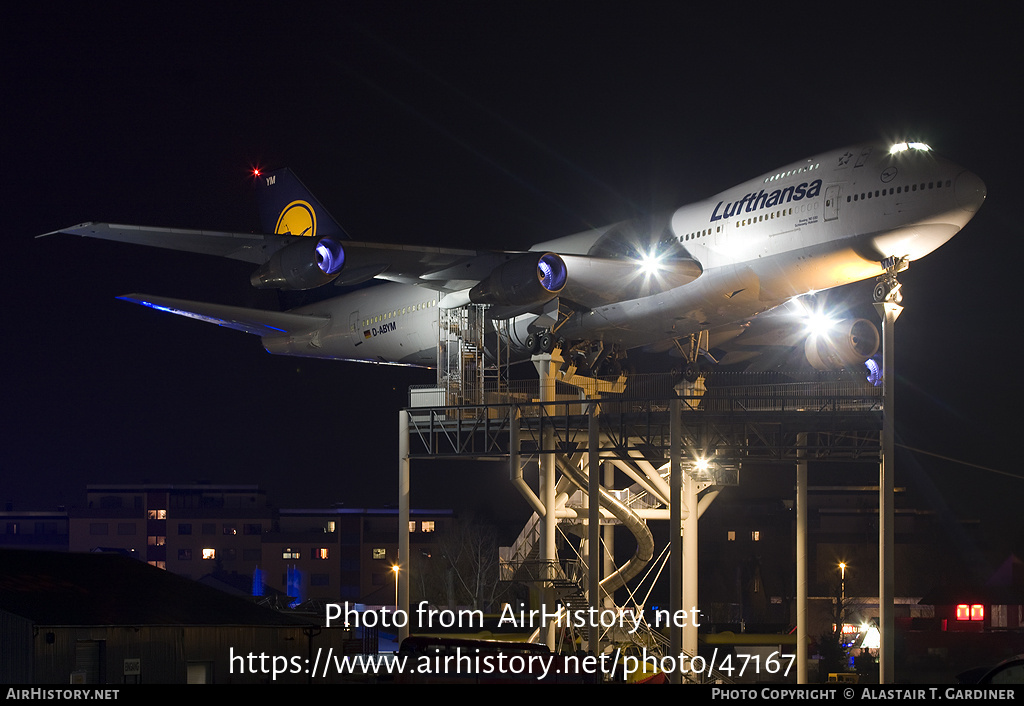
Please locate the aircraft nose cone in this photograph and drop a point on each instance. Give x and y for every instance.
(970, 191)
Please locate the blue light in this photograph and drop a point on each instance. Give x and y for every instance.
(330, 256)
(294, 587)
(257, 582)
(552, 273)
(874, 371)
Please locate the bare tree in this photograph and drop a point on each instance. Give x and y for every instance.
(463, 570)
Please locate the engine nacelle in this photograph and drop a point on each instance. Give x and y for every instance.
(304, 264)
(846, 345)
(524, 281)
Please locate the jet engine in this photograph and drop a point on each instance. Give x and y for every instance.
(846, 344)
(526, 280)
(304, 264)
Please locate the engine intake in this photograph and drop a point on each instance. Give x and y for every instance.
(523, 281)
(304, 264)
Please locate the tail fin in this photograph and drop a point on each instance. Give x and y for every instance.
(286, 206)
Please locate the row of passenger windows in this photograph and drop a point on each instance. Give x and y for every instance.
(791, 172)
(765, 217)
(701, 233)
(898, 190)
(398, 312)
(743, 222)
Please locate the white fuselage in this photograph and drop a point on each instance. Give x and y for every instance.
(811, 225)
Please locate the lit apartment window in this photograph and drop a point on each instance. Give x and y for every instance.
(412, 526)
(731, 535)
(156, 514)
(156, 540)
(380, 553)
(427, 526)
(209, 553)
(158, 564)
(755, 536)
(290, 553)
(331, 525)
(970, 612)
(230, 529)
(320, 553)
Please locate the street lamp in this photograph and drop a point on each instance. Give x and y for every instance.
(842, 580)
(394, 567)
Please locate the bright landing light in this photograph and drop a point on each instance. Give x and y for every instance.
(816, 321)
(651, 264)
(904, 146)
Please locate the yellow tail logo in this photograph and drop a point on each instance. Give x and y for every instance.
(297, 218)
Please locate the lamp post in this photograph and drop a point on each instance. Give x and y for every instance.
(394, 567)
(842, 580)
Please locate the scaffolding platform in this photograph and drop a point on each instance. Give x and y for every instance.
(569, 426)
(742, 416)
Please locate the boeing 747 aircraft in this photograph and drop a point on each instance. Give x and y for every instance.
(689, 280)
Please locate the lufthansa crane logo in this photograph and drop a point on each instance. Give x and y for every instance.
(297, 218)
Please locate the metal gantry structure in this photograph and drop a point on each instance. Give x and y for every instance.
(678, 442)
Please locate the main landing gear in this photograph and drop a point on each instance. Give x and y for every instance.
(887, 288)
(690, 368)
(542, 342)
(590, 357)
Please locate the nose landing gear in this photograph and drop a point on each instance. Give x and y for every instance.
(887, 287)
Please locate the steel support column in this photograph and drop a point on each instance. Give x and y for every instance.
(690, 569)
(889, 312)
(402, 561)
(675, 524)
(547, 482)
(801, 558)
(594, 522)
(608, 553)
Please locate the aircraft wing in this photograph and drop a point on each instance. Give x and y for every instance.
(792, 334)
(248, 247)
(592, 281)
(442, 269)
(254, 321)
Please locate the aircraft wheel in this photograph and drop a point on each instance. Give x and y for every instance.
(547, 342)
(533, 344)
(880, 292)
(691, 371)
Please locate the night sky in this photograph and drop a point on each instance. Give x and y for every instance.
(468, 124)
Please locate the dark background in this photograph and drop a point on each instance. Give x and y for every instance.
(464, 124)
